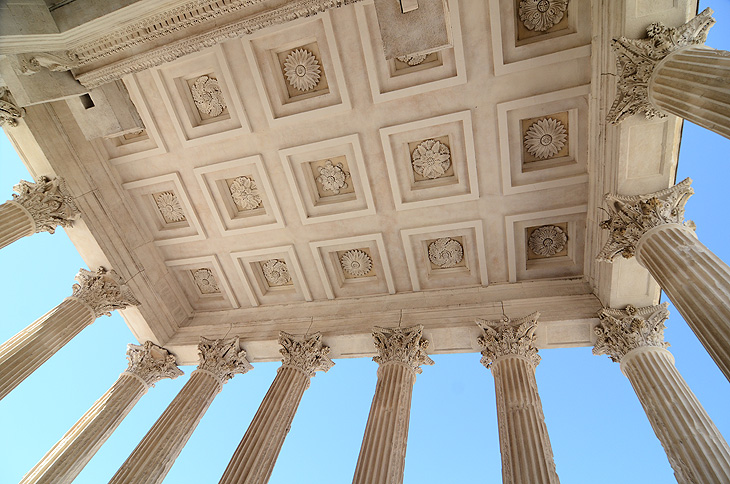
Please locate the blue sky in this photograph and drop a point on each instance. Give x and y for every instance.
(598, 429)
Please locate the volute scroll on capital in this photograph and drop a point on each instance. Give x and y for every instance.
(308, 355)
(224, 358)
(48, 202)
(509, 337)
(103, 290)
(630, 217)
(10, 112)
(404, 345)
(151, 363)
(624, 330)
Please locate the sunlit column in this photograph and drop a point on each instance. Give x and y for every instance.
(151, 460)
(383, 452)
(635, 338)
(652, 228)
(254, 459)
(672, 72)
(148, 364)
(95, 294)
(509, 350)
(36, 207)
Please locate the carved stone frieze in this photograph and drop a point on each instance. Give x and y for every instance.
(48, 202)
(541, 15)
(222, 357)
(547, 240)
(307, 355)
(445, 252)
(637, 58)
(276, 272)
(545, 138)
(245, 193)
(505, 337)
(170, 207)
(623, 330)
(302, 70)
(404, 345)
(151, 363)
(332, 177)
(630, 217)
(431, 159)
(356, 262)
(103, 290)
(10, 112)
(205, 280)
(207, 96)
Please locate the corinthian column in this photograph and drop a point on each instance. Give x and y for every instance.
(148, 364)
(36, 207)
(95, 294)
(672, 72)
(10, 112)
(635, 338)
(652, 228)
(151, 460)
(382, 457)
(509, 350)
(254, 459)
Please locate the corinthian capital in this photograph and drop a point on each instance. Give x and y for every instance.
(223, 357)
(48, 202)
(507, 337)
(630, 217)
(404, 345)
(151, 363)
(308, 355)
(623, 330)
(10, 112)
(637, 58)
(103, 290)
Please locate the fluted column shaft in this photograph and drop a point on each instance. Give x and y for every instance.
(254, 459)
(153, 457)
(383, 452)
(68, 457)
(15, 223)
(527, 456)
(696, 281)
(22, 354)
(695, 448)
(694, 83)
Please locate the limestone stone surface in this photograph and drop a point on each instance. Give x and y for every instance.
(107, 111)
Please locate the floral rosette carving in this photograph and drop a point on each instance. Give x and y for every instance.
(404, 345)
(10, 112)
(445, 252)
(151, 363)
(48, 202)
(244, 193)
(170, 207)
(623, 330)
(332, 177)
(276, 272)
(541, 15)
(307, 355)
(506, 337)
(547, 240)
(431, 159)
(224, 358)
(104, 291)
(412, 59)
(545, 138)
(207, 96)
(302, 70)
(356, 262)
(205, 280)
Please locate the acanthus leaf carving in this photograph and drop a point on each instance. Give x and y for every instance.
(445, 252)
(103, 290)
(224, 358)
(307, 355)
(412, 59)
(276, 272)
(207, 96)
(509, 337)
(245, 193)
(58, 61)
(542, 15)
(48, 202)
(624, 330)
(636, 60)
(403, 345)
(630, 217)
(547, 240)
(151, 362)
(10, 112)
(170, 207)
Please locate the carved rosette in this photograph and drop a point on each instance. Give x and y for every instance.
(547, 240)
(431, 159)
(10, 112)
(207, 96)
(623, 330)
(151, 363)
(104, 291)
(224, 358)
(507, 337)
(630, 217)
(302, 70)
(205, 280)
(637, 58)
(445, 252)
(170, 207)
(541, 15)
(545, 138)
(412, 59)
(307, 355)
(245, 193)
(48, 202)
(404, 345)
(276, 272)
(332, 177)
(356, 262)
